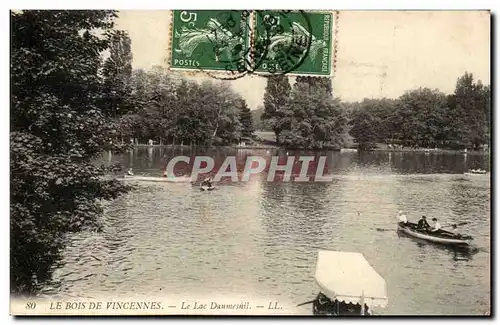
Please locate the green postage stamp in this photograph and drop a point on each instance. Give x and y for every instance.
(297, 42)
(257, 41)
(209, 39)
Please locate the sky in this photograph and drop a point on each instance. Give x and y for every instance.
(380, 53)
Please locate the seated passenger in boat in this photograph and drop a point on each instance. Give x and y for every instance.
(207, 182)
(130, 172)
(436, 225)
(352, 309)
(402, 217)
(423, 224)
(325, 306)
(455, 231)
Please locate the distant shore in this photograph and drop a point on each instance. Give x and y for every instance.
(432, 151)
(185, 146)
(271, 147)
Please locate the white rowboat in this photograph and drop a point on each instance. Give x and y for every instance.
(446, 238)
(476, 174)
(171, 179)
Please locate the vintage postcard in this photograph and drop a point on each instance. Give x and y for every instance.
(250, 162)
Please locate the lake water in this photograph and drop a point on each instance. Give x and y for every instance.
(261, 238)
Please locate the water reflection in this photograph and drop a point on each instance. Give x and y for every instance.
(457, 253)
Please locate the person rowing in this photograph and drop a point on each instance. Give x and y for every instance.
(165, 174)
(130, 172)
(423, 224)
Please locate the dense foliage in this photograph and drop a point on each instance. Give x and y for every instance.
(246, 120)
(309, 117)
(258, 122)
(426, 118)
(315, 119)
(277, 104)
(58, 127)
(172, 110)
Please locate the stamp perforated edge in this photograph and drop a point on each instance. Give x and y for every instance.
(335, 42)
(168, 60)
(217, 74)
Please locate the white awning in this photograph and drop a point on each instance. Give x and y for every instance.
(348, 277)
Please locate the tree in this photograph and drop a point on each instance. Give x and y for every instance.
(382, 111)
(470, 118)
(426, 117)
(315, 119)
(57, 131)
(258, 122)
(276, 106)
(317, 82)
(175, 110)
(423, 114)
(363, 128)
(117, 72)
(246, 120)
(486, 103)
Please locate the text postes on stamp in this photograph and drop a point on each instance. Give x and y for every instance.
(296, 41)
(209, 39)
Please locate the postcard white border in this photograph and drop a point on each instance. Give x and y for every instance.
(192, 4)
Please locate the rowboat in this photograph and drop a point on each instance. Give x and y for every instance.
(207, 188)
(475, 174)
(170, 179)
(348, 150)
(441, 237)
(347, 282)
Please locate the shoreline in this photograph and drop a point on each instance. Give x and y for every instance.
(430, 151)
(269, 147)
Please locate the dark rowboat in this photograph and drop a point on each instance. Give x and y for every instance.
(323, 305)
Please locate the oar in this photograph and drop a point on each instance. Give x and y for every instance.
(305, 303)
(457, 224)
(382, 229)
